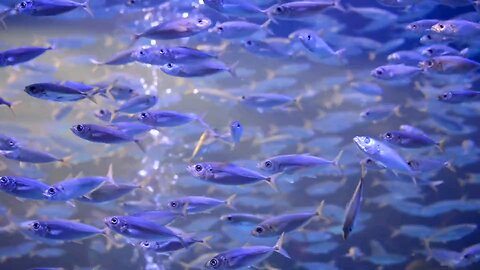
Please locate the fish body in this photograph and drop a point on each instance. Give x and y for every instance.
(267, 100)
(56, 92)
(175, 29)
(197, 204)
(50, 7)
(299, 9)
(196, 69)
(21, 55)
(29, 155)
(352, 209)
(290, 163)
(409, 139)
(138, 104)
(60, 230)
(166, 118)
(107, 193)
(225, 173)
(165, 55)
(73, 188)
(395, 72)
(236, 131)
(459, 96)
(450, 64)
(23, 187)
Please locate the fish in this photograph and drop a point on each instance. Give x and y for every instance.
(60, 230)
(58, 92)
(285, 223)
(140, 228)
(383, 154)
(198, 204)
(236, 131)
(156, 55)
(292, 163)
(121, 58)
(137, 104)
(395, 72)
(107, 192)
(103, 134)
(239, 29)
(242, 219)
(171, 245)
(20, 55)
(30, 155)
(160, 118)
(450, 64)
(50, 7)
(8, 143)
(352, 209)
(411, 139)
(459, 96)
(197, 69)
(103, 114)
(23, 187)
(174, 29)
(300, 9)
(245, 257)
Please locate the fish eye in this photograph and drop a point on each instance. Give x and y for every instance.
(367, 140)
(3, 180)
(101, 111)
(379, 72)
(249, 43)
(220, 29)
(198, 168)
(130, 90)
(11, 143)
(162, 51)
(367, 113)
(388, 135)
(244, 97)
(213, 262)
(146, 244)
(114, 220)
(200, 21)
(238, 125)
(143, 115)
(259, 229)
(414, 26)
(36, 225)
(131, 2)
(142, 52)
(430, 51)
(430, 63)
(173, 204)
(79, 128)
(441, 26)
(309, 37)
(445, 95)
(268, 164)
(350, 229)
(369, 161)
(23, 4)
(279, 9)
(51, 191)
(169, 65)
(229, 218)
(429, 37)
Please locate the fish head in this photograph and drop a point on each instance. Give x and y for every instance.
(379, 73)
(202, 22)
(147, 245)
(175, 205)
(263, 230)
(37, 227)
(414, 164)
(365, 143)
(447, 96)
(8, 144)
(444, 28)
(103, 114)
(229, 218)
(171, 69)
(369, 163)
(429, 52)
(308, 38)
(346, 231)
(430, 64)
(278, 11)
(35, 90)
(81, 130)
(393, 57)
(51, 192)
(217, 262)
(116, 223)
(152, 100)
(7, 183)
(141, 54)
(236, 130)
(24, 6)
(391, 137)
(201, 170)
(146, 118)
(268, 165)
(414, 27)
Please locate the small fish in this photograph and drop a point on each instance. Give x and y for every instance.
(227, 174)
(242, 8)
(352, 209)
(174, 29)
(238, 29)
(138, 104)
(236, 131)
(278, 225)
(198, 204)
(121, 58)
(435, 50)
(160, 118)
(164, 55)
(23, 187)
(103, 114)
(103, 134)
(380, 112)
(383, 154)
(406, 57)
(295, 162)
(459, 96)
(60, 230)
(50, 7)
(425, 165)
(450, 64)
(171, 245)
(73, 188)
(269, 100)
(29, 155)
(108, 192)
(245, 257)
(57, 92)
(410, 139)
(21, 55)
(271, 47)
(457, 29)
(197, 69)
(243, 219)
(421, 26)
(317, 46)
(140, 228)
(395, 72)
(300, 9)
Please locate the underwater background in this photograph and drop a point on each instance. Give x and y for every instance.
(324, 110)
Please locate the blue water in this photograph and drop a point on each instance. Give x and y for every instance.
(326, 123)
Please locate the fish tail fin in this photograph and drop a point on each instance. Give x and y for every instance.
(265, 28)
(186, 266)
(441, 145)
(185, 210)
(3, 15)
(205, 241)
(319, 210)
(337, 158)
(272, 181)
(140, 145)
(279, 247)
(338, 5)
(86, 7)
(135, 38)
(395, 233)
(182, 241)
(232, 69)
(298, 102)
(397, 111)
(198, 145)
(11, 106)
(110, 174)
(91, 97)
(229, 201)
(65, 162)
(340, 53)
(464, 52)
(449, 165)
